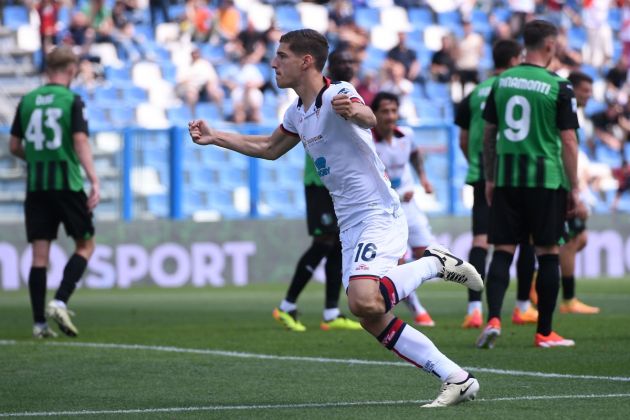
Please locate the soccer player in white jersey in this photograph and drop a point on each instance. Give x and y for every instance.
(332, 123)
(395, 147)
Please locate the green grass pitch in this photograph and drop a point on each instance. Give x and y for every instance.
(217, 353)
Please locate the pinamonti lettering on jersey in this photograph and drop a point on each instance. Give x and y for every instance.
(525, 84)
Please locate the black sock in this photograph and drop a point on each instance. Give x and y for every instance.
(568, 287)
(304, 269)
(477, 257)
(497, 282)
(37, 291)
(547, 287)
(71, 275)
(333, 276)
(525, 267)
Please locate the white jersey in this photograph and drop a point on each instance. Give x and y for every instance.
(344, 156)
(395, 156)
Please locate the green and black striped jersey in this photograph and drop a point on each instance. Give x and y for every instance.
(530, 106)
(46, 120)
(470, 117)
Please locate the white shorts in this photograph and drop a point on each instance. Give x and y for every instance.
(373, 247)
(420, 234)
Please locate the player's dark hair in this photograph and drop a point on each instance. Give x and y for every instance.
(383, 96)
(577, 77)
(536, 31)
(60, 58)
(308, 41)
(505, 50)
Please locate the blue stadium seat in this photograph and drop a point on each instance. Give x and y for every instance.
(114, 74)
(214, 156)
(502, 14)
(122, 116)
(420, 17)
(576, 37)
(590, 70)
(614, 18)
(367, 17)
(192, 201)
(179, 116)
(134, 95)
(436, 90)
(15, 16)
(158, 205)
(208, 111)
(427, 110)
(288, 18)
(449, 19)
(107, 96)
(145, 32)
(230, 177)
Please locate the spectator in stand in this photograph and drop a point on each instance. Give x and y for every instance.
(101, 23)
(599, 46)
(395, 82)
(47, 11)
(622, 175)
(611, 126)
(616, 78)
(443, 61)
(245, 83)
(158, 6)
(228, 23)
(198, 20)
(368, 86)
(340, 15)
(249, 43)
(408, 57)
(522, 12)
(469, 53)
(78, 32)
(624, 33)
(129, 44)
(199, 80)
(89, 76)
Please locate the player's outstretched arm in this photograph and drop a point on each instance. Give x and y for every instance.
(356, 112)
(265, 147)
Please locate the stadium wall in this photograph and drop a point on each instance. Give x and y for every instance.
(180, 253)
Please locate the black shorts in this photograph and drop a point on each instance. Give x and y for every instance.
(574, 227)
(45, 210)
(480, 210)
(320, 213)
(519, 213)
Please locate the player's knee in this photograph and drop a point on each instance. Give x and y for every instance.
(366, 306)
(85, 247)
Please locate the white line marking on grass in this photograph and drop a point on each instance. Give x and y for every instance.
(292, 406)
(224, 353)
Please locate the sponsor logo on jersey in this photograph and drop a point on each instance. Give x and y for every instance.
(362, 267)
(322, 169)
(313, 140)
(343, 91)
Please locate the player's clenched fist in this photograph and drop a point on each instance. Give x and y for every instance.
(342, 105)
(200, 132)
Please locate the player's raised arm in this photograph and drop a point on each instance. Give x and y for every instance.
(354, 111)
(267, 147)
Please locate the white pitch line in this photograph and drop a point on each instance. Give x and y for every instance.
(292, 406)
(224, 353)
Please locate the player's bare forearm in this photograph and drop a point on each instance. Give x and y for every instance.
(265, 147)
(417, 162)
(84, 153)
(570, 156)
(17, 148)
(362, 115)
(463, 142)
(489, 150)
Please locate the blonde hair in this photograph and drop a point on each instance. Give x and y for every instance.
(60, 58)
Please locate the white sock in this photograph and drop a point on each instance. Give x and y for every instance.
(40, 324)
(286, 306)
(457, 377)
(414, 304)
(330, 314)
(522, 305)
(59, 303)
(408, 277)
(417, 349)
(475, 305)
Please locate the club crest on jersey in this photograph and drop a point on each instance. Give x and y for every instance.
(322, 169)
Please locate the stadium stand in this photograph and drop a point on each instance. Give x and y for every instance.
(139, 95)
